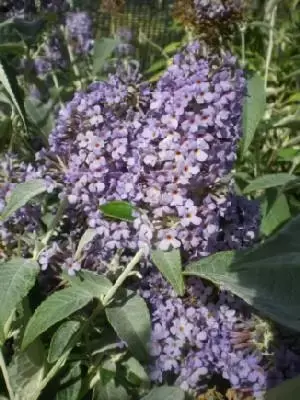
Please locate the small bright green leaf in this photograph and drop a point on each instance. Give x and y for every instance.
(131, 320)
(110, 391)
(55, 308)
(62, 340)
(165, 393)
(11, 86)
(17, 277)
(268, 181)
(254, 108)
(103, 48)
(71, 384)
(169, 264)
(275, 210)
(294, 98)
(288, 154)
(266, 277)
(121, 210)
(21, 194)
(172, 47)
(86, 238)
(288, 390)
(26, 372)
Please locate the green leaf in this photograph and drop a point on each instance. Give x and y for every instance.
(103, 48)
(172, 47)
(165, 393)
(29, 29)
(26, 372)
(62, 340)
(86, 238)
(169, 264)
(289, 121)
(107, 371)
(17, 277)
(266, 277)
(110, 391)
(57, 307)
(135, 373)
(288, 154)
(71, 383)
(121, 210)
(268, 181)
(131, 320)
(288, 390)
(294, 98)
(254, 108)
(275, 210)
(94, 284)
(11, 86)
(12, 48)
(21, 194)
(40, 114)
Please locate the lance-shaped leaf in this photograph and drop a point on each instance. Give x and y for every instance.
(17, 277)
(102, 50)
(266, 277)
(165, 393)
(268, 181)
(254, 108)
(288, 390)
(60, 305)
(131, 320)
(21, 194)
(169, 264)
(26, 372)
(110, 391)
(62, 340)
(71, 384)
(86, 238)
(11, 86)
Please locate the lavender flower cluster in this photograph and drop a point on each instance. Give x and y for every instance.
(77, 35)
(211, 333)
(28, 8)
(218, 10)
(26, 219)
(159, 150)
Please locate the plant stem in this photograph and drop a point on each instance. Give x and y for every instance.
(56, 84)
(110, 294)
(243, 30)
(270, 44)
(6, 376)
